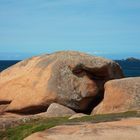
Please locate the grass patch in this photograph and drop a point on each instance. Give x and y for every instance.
(24, 130)
(108, 117)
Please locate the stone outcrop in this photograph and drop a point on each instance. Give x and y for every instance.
(73, 79)
(120, 96)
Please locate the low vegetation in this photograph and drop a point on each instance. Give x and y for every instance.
(25, 129)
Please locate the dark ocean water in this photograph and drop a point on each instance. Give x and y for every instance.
(131, 69)
(4, 64)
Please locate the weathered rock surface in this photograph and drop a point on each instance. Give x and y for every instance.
(120, 96)
(57, 110)
(72, 79)
(127, 129)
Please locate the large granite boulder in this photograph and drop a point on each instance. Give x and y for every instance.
(120, 96)
(73, 79)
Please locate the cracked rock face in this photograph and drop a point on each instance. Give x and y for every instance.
(72, 79)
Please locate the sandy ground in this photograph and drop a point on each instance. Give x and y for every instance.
(127, 129)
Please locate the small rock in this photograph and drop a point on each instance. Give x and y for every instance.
(77, 115)
(57, 110)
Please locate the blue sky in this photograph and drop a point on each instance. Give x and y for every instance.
(107, 28)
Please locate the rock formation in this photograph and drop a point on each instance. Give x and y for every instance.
(73, 79)
(120, 96)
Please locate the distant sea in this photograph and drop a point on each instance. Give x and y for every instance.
(4, 64)
(130, 69)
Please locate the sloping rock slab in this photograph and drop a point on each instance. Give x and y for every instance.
(119, 130)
